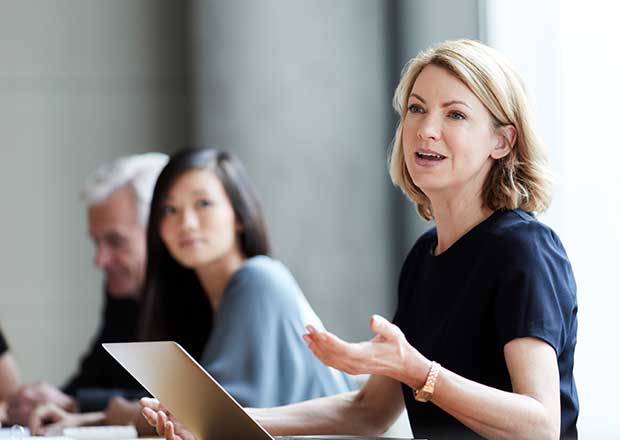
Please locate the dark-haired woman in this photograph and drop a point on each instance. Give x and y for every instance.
(211, 286)
(207, 238)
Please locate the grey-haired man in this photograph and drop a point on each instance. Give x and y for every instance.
(117, 197)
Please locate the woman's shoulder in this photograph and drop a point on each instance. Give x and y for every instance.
(521, 237)
(263, 268)
(518, 226)
(263, 276)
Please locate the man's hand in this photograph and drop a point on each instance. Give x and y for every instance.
(28, 397)
(158, 417)
(50, 419)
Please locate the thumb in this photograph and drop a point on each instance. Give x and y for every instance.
(383, 327)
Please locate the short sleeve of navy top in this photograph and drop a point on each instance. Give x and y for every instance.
(507, 278)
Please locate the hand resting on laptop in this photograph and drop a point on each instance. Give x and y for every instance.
(159, 417)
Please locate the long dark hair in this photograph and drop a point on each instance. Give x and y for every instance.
(175, 305)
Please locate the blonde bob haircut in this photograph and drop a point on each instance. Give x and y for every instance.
(518, 180)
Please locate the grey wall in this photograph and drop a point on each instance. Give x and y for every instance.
(302, 92)
(292, 88)
(81, 82)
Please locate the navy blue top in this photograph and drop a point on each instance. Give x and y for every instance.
(509, 277)
(256, 351)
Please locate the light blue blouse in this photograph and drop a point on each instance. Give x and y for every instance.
(256, 351)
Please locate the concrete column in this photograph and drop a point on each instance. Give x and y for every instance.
(296, 88)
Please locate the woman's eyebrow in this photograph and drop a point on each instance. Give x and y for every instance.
(446, 104)
(418, 96)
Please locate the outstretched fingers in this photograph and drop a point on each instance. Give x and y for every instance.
(332, 351)
(384, 328)
(377, 356)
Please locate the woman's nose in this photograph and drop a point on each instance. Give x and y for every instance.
(429, 128)
(189, 219)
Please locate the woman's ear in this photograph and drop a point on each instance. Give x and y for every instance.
(506, 138)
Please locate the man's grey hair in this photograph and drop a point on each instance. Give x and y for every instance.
(139, 172)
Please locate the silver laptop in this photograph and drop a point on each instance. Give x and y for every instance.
(171, 375)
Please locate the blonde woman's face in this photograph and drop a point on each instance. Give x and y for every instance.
(198, 226)
(449, 141)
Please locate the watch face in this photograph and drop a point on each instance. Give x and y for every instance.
(422, 395)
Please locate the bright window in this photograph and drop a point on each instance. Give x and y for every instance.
(569, 56)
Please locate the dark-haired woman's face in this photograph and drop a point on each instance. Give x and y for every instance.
(198, 226)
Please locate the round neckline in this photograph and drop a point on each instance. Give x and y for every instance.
(462, 239)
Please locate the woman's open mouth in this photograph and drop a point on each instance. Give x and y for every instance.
(429, 156)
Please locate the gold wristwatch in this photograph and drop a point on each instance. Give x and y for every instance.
(425, 393)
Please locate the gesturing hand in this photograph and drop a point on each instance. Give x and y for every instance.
(158, 416)
(387, 354)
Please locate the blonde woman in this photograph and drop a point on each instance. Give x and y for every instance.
(483, 339)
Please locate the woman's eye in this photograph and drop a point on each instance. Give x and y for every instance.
(415, 108)
(456, 115)
(203, 203)
(168, 210)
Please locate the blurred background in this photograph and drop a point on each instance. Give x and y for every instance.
(301, 91)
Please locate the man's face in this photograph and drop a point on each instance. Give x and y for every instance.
(120, 242)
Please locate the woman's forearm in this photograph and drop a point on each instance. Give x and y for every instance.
(531, 410)
(493, 413)
(369, 411)
(327, 415)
